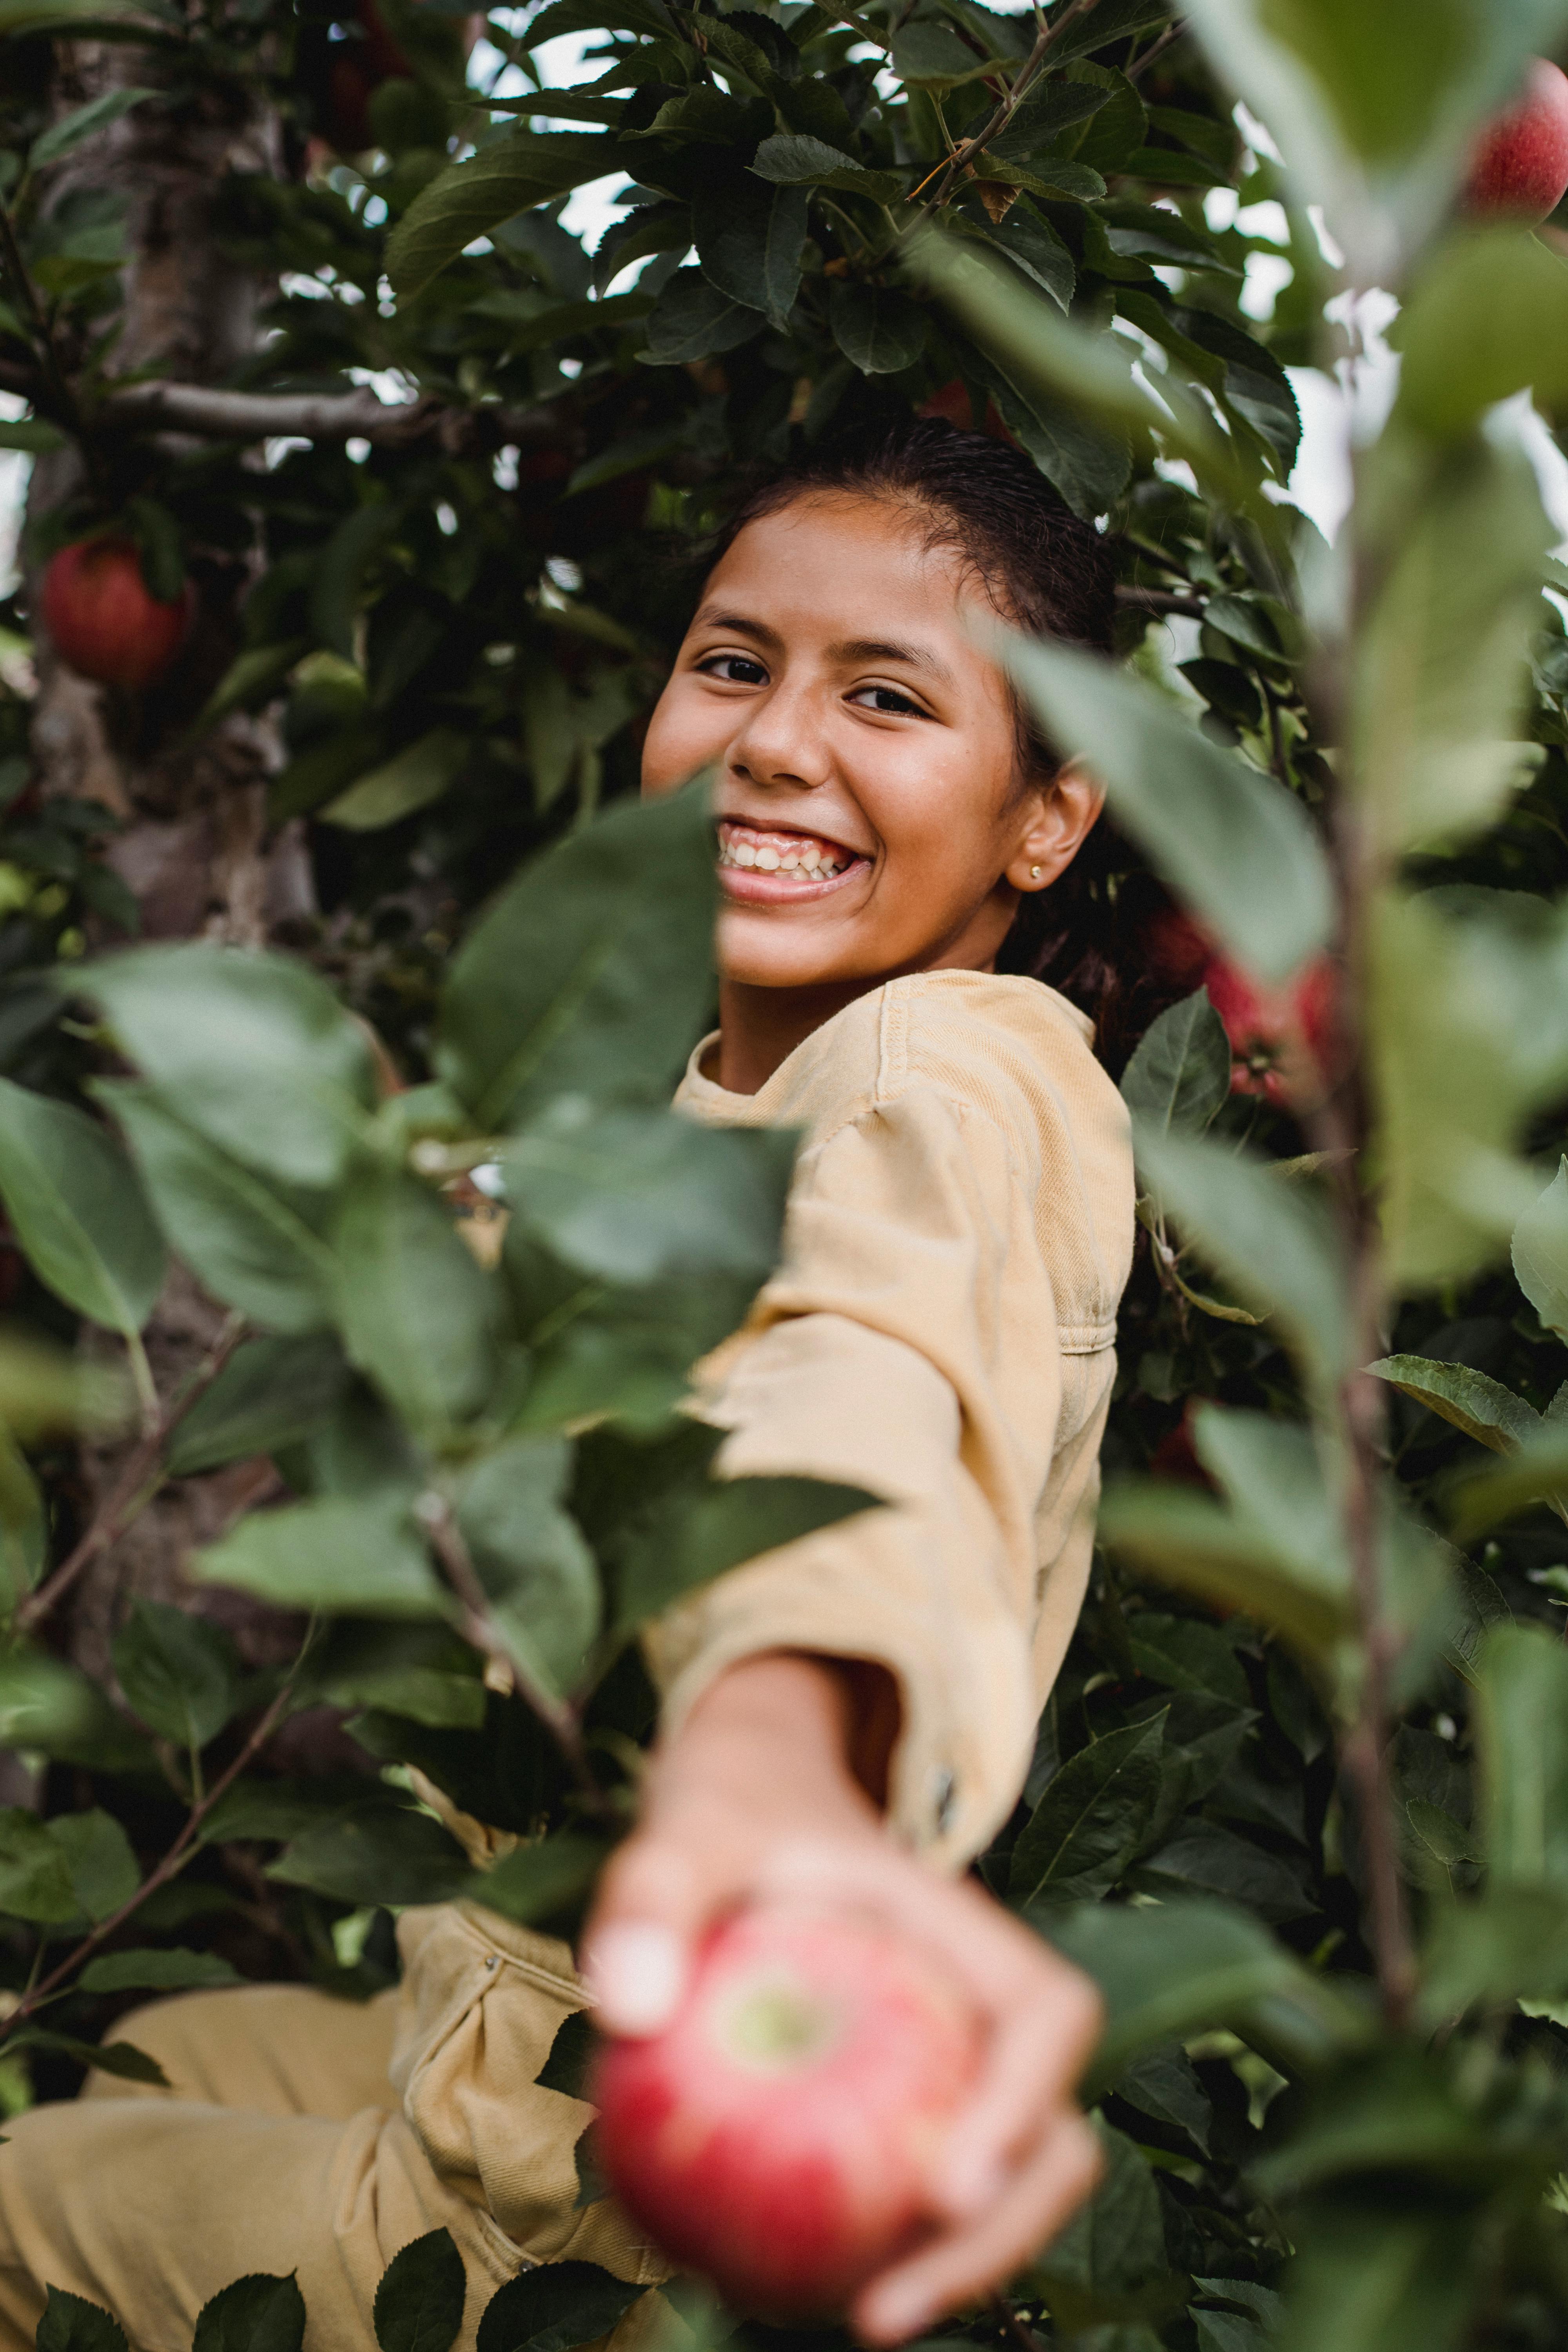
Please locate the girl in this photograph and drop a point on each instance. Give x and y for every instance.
(850, 1717)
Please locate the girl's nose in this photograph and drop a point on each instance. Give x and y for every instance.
(782, 741)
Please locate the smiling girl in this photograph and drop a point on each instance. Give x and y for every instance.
(850, 1717)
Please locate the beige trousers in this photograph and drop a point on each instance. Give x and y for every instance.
(305, 2134)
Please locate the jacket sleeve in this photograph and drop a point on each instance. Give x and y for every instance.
(907, 1345)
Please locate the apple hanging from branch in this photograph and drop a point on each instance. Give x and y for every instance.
(778, 2135)
(104, 620)
(1519, 166)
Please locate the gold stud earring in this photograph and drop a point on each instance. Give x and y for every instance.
(1034, 872)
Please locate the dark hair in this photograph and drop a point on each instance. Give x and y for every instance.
(1050, 573)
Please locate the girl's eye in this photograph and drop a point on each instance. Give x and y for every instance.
(887, 698)
(735, 670)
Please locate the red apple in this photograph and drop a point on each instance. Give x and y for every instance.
(1280, 1038)
(103, 620)
(1518, 166)
(777, 2137)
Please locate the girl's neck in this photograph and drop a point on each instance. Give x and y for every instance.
(761, 1027)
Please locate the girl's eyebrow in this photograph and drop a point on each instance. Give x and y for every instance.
(849, 649)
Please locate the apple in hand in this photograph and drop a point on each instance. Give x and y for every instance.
(103, 618)
(778, 2135)
(1518, 166)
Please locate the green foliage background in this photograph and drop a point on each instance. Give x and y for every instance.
(1300, 1800)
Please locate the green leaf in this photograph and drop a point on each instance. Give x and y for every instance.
(690, 1537)
(531, 1557)
(1509, 1945)
(1441, 668)
(1235, 846)
(694, 320)
(879, 330)
(1091, 1820)
(1116, 2242)
(24, 1525)
(34, 435)
(173, 1972)
(1089, 465)
(1481, 1407)
(571, 2055)
(253, 1244)
(1373, 112)
(505, 177)
(271, 1394)
(750, 241)
(78, 1210)
(382, 1855)
(180, 1672)
(419, 2303)
(1273, 1548)
(1273, 1244)
(70, 2323)
(1541, 1254)
(792, 159)
(118, 2058)
(34, 1875)
(1164, 2083)
(1181, 1969)
(1536, 1471)
(1180, 1075)
(251, 679)
(345, 1555)
(82, 121)
(536, 1883)
(1468, 1031)
(1374, 2277)
(641, 1196)
(56, 1710)
(1184, 1654)
(931, 54)
(410, 779)
(591, 973)
(1206, 1858)
(253, 1051)
(554, 2308)
(100, 1862)
(256, 2314)
(418, 1312)
(1487, 316)
(45, 1390)
(1521, 1740)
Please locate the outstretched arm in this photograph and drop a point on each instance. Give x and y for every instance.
(772, 1788)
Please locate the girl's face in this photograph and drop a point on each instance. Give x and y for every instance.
(865, 750)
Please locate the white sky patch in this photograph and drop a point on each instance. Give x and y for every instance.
(16, 470)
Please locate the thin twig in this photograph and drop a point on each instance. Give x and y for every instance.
(172, 1863)
(992, 129)
(136, 1485)
(479, 1628)
(1156, 48)
(1160, 600)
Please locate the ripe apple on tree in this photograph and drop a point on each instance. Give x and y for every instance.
(778, 2135)
(1518, 166)
(1281, 1039)
(104, 620)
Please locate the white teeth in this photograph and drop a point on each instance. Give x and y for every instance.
(814, 862)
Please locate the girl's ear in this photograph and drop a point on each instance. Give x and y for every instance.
(1054, 820)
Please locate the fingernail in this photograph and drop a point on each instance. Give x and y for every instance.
(636, 1974)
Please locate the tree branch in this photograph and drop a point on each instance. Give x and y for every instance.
(1160, 600)
(136, 1485)
(217, 414)
(171, 1861)
(992, 129)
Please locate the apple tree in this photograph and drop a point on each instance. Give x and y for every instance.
(354, 1260)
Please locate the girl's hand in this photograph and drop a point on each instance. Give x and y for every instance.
(756, 1802)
